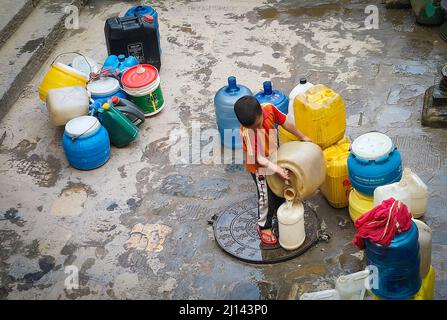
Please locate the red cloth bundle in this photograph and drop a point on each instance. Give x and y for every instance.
(381, 224)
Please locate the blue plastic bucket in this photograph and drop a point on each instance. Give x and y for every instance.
(86, 143)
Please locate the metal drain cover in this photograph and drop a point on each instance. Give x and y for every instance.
(235, 232)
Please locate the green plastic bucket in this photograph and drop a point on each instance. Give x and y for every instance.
(142, 84)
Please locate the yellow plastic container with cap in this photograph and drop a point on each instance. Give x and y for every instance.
(427, 290)
(61, 75)
(320, 114)
(337, 186)
(359, 203)
(285, 136)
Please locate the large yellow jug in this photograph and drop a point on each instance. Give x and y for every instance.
(337, 186)
(320, 114)
(307, 168)
(359, 203)
(285, 136)
(61, 75)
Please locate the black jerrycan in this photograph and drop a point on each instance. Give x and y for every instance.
(134, 36)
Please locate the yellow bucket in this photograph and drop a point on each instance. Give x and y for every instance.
(320, 114)
(427, 290)
(60, 75)
(359, 203)
(285, 136)
(337, 186)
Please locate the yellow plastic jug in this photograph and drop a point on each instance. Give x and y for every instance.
(320, 114)
(427, 290)
(60, 75)
(285, 136)
(337, 186)
(307, 168)
(359, 203)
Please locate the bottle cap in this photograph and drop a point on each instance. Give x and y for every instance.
(303, 81)
(115, 100)
(148, 18)
(106, 106)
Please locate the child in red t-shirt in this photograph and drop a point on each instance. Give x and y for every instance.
(259, 139)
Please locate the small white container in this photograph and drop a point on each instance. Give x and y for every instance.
(321, 295)
(411, 190)
(352, 286)
(66, 103)
(291, 225)
(425, 246)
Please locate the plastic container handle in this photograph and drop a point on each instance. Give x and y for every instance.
(73, 52)
(134, 112)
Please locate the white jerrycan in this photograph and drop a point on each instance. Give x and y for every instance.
(321, 295)
(418, 191)
(291, 225)
(299, 89)
(352, 286)
(425, 245)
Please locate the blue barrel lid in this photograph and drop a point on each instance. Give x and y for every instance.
(140, 11)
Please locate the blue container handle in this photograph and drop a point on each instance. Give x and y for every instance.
(232, 86)
(267, 87)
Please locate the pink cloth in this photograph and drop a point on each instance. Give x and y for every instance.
(381, 224)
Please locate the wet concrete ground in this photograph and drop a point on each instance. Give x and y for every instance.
(137, 227)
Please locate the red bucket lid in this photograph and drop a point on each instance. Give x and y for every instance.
(139, 76)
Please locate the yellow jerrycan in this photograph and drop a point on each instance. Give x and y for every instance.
(320, 114)
(359, 203)
(337, 186)
(307, 168)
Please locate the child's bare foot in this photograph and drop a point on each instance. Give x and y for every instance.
(267, 236)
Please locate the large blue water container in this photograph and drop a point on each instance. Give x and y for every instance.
(275, 97)
(146, 10)
(86, 143)
(374, 161)
(225, 117)
(397, 266)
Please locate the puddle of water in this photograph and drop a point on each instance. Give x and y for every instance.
(70, 202)
(393, 115)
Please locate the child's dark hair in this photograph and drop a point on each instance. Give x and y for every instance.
(247, 108)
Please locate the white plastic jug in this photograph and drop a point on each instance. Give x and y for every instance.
(411, 190)
(352, 286)
(299, 89)
(331, 294)
(418, 191)
(393, 190)
(425, 245)
(66, 103)
(291, 225)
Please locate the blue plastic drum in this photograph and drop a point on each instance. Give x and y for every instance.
(275, 97)
(227, 122)
(396, 274)
(86, 143)
(374, 161)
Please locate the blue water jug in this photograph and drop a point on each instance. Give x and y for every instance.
(86, 143)
(225, 117)
(119, 62)
(396, 274)
(105, 88)
(142, 11)
(275, 97)
(374, 161)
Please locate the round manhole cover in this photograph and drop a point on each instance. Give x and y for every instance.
(235, 232)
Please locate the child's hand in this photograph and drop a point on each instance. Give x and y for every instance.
(283, 173)
(306, 139)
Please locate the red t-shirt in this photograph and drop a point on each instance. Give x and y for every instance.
(262, 140)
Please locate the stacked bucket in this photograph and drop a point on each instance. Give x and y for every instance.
(320, 114)
(374, 161)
